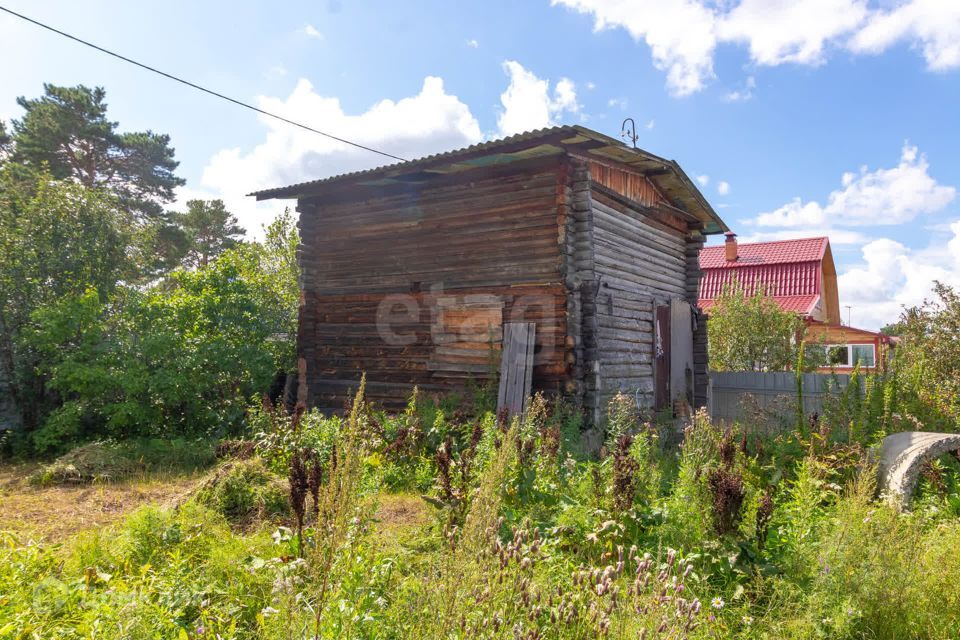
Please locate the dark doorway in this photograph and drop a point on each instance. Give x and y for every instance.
(661, 360)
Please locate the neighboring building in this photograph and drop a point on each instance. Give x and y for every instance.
(410, 271)
(845, 347)
(798, 274)
(801, 277)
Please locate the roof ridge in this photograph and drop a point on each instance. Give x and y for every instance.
(753, 244)
(548, 141)
(477, 146)
(752, 254)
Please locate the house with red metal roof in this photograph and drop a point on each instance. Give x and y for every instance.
(845, 347)
(801, 277)
(798, 274)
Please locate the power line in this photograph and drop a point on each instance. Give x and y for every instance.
(197, 86)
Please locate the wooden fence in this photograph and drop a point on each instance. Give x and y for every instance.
(770, 398)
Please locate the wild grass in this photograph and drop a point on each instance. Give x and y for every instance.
(106, 460)
(513, 537)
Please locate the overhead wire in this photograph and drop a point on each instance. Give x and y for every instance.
(198, 87)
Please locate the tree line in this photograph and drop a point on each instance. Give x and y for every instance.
(119, 314)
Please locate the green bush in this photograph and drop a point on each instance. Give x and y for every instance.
(179, 358)
(245, 491)
(748, 331)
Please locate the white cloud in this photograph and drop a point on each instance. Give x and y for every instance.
(837, 236)
(743, 94)
(931, 25)
(881, 197)
(889, 275)
(620, 103)
(703, 180)
(428, 122)
(312, 32)
(779, 31)
(527, 101)
(723, 187)
(565, 96)
(795, 213)
(651, 124)
(892, 276)
(683, 34)
(591, 86)
(473, 44)
(680, 33)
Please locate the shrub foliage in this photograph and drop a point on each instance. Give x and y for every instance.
(741, 537)
(751, 333)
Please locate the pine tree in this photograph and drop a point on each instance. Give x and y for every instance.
(5, 141)
(67, 131)
(209, 230)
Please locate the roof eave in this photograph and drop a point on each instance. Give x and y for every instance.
(721, 226)
(425, 163)
(563, 136)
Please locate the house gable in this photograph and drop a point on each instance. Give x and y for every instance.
(798, 274)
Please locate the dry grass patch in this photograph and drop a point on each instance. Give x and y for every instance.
(53, 513)
(400, 517)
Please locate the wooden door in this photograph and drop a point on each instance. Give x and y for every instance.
(516, 367)
(661, 351)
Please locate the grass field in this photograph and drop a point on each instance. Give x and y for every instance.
(54, 513)
(423, 526)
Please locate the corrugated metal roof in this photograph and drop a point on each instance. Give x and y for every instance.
(756, 253)
(789, 271)
(803, 305)
(666, 174)
(294, 189)
(789, 279)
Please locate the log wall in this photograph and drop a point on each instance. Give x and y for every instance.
(640, 262)
(413, 287)
(581, 281)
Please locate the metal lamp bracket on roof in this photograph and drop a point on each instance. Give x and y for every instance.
(629, 133)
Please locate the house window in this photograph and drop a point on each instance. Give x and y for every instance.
(847, 355)
(863, 353)
(838, 355)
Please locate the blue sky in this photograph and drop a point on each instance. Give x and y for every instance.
(814, 117)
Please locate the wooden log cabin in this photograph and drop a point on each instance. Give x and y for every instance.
(410, 272)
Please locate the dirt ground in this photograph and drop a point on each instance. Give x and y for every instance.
(401, 511)
(56, 512)
(400, 519)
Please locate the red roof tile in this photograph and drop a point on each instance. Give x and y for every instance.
(803, 305)
(785, 279)
(757, 253)
(788, 270)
